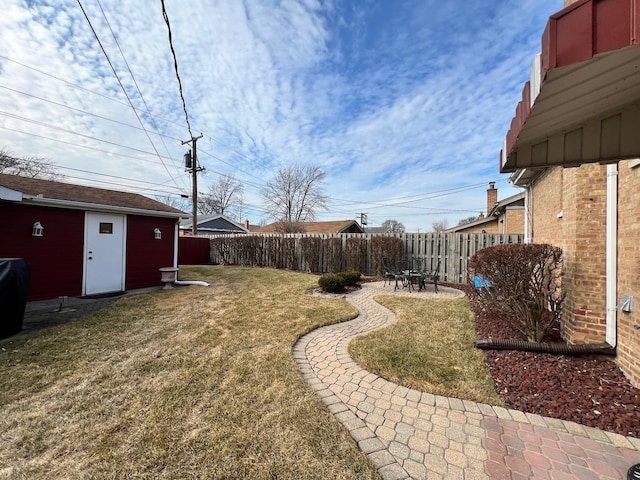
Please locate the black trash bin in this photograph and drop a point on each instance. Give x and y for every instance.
(15, 276)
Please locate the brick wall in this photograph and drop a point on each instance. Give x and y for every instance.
(545, 204)
(513, 220)
(579, 195)
(628, 348)
(588, 273)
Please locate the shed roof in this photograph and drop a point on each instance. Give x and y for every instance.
(69, 195)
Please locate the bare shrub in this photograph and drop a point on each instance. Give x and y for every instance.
(355, 254)
(524, 285)
(333, 254)
(391, 248)
(311, 247)
(289, 253)
(221, 249)
(249, 250)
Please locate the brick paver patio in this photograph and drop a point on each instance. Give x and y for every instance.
(408, 434)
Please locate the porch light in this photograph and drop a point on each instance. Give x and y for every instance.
(38, 230)
(157, 234)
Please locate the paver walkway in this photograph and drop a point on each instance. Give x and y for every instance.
(411, 434)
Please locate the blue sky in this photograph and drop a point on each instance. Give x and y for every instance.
(404, 104)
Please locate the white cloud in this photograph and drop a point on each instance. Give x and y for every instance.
(392, 100)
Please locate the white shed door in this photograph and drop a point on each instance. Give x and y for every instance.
(104, 253)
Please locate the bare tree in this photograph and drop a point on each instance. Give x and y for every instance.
(175, 202)
(32, 167)
(440, 226)
(467, 220)
(393, 226)
(223, 194)
(295, 194)
(288, 227)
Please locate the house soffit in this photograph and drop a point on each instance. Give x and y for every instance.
(581, 98)
(571, 95)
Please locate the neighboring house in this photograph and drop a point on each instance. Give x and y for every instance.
(338, 226)
(212, 225)
(82, 240)
(377, 230)
(504, 216)
(574, 144)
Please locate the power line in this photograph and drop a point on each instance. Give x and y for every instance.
(130, 188)
(248, 174)
(94, 148)
(54, 127)
(85, 112)
(175, 66)
(95, 34)
(168, 121)
(376, 204)
(422, 196)
(84, 146)
(135, 82)
(120, 178)
(75, 85)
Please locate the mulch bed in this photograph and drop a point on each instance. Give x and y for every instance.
(590, 390)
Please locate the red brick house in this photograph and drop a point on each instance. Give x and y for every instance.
(82, 240)
(574, 145)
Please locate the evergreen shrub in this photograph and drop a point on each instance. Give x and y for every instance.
(351, 277)
(331, 283)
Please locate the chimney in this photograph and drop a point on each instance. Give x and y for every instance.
(246, 224)
(492, 197)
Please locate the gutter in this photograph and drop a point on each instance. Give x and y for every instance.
(514, 179)
(70, 204)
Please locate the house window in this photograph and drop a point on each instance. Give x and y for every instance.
(106, 227)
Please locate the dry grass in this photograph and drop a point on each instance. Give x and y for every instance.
(430, 348)
(190, 383)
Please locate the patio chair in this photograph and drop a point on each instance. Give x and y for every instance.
(389, 273)
(433, 276)
(402, 272)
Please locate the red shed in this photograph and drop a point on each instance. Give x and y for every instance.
(83, 240)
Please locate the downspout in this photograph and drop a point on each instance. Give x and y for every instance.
(176, 241)
(527, 201)
(176, 233)
(611, 253)
(513, 180)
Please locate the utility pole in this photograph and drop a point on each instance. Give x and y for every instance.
(363, 219)
(191, 166)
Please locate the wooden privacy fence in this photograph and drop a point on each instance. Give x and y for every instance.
(323, 253)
